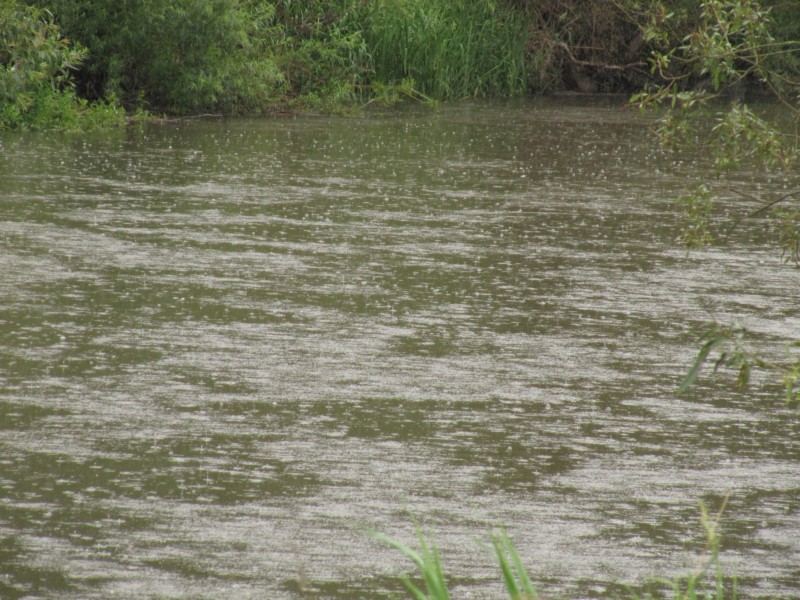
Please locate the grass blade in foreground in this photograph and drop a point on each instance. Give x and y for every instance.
(696, 585)
(519, 586)
(515, 577)
(427, 562)
(706, 582)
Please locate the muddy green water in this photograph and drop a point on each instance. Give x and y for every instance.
(226, 347)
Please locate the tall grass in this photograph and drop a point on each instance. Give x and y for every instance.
(449, 48)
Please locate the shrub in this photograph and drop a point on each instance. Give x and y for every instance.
(182, 56)
(36, 68)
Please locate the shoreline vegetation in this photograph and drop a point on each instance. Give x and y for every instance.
(74, 65)
(708, 579)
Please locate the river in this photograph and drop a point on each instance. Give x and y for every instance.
(229, 347)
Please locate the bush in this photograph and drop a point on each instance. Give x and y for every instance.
(36, 65)
(182, 56)
(248, 56)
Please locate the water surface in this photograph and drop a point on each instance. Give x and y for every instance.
(228, 346)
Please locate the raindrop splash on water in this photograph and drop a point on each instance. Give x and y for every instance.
(226, 346)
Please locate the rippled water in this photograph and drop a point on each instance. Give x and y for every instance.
(227, 347)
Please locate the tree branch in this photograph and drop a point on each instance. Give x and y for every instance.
(598, 65)
(766, 205)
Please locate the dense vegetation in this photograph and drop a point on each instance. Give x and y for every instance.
(256, 56)
(36, 63)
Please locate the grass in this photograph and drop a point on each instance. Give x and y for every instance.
(515, 577)
(706, 582)
(449, 49)
(429, 565)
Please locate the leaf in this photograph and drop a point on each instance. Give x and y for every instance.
(721, 361)
(702, 356)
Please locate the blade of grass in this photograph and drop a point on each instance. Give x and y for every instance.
(428, 563)
(515, 577)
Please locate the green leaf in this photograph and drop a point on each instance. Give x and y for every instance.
(515, 577)
(702, 356)
(428, 563)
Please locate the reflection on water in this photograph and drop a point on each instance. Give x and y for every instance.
(228, 346)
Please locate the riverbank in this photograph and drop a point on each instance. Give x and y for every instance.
(69, 65)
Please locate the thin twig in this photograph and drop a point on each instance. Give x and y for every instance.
(766, 205)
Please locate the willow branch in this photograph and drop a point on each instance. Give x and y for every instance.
(765, 206)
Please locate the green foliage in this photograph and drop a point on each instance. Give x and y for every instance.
(729, 42)
(182, 56)
(336, 52)
(731, 48)
(788, 222)
(230, 56)
(743, 138)
(248, 56)
(321, 52)
(51, 109)
(36, 66)
(726, 48)
(696, 209)
(515, 577)
(707, 580)
(393, 93)
(728, 343)
(33, 54)
(449, 49)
